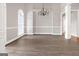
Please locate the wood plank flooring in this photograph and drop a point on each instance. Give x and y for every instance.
(44, 45)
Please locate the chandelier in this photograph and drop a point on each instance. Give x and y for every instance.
(43, 11)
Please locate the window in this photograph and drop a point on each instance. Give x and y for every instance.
(20, 22)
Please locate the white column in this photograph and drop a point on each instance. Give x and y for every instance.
(3, 27)
(68, 21)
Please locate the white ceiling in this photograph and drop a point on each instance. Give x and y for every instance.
(49, 5)
(46, 5)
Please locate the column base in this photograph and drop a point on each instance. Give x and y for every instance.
(67, 36)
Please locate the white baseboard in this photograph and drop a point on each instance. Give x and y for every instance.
(57, 34)
(42, 33)
(14, 39)
(75, 35)
(28, 33)
(50, 33)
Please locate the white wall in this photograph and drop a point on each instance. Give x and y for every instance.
(75, 23)
(12, 19)
(40, 22)
(53, 21)
(44, 24)
(48, 24)
(29, 22)
(57, 26)
(74, 20)
(29, 18)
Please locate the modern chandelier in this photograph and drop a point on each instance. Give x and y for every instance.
(43, 11)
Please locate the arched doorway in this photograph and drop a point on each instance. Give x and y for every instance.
(20, 22)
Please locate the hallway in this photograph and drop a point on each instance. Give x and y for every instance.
(43, 45)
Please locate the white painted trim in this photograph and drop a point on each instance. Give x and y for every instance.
(28, 33)
(8, 28)
(46, 26)
(57, 26)
(12, 28)
(14, 39)
(57, 33)
(43, 33)
(50, 33)
(75, 35)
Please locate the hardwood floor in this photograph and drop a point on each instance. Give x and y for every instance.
(44, 45)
